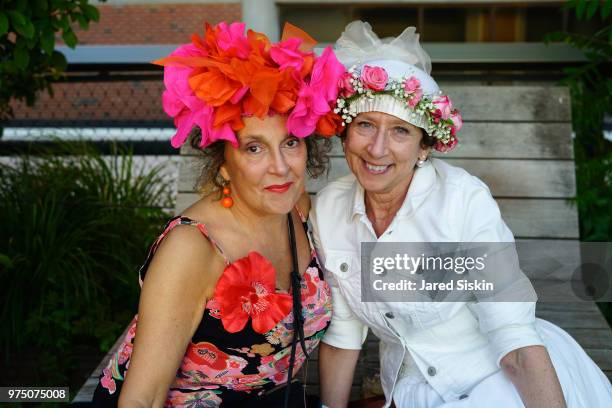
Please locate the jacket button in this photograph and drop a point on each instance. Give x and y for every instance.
(390, 315)
(463, 396)
(431, 371)
(344, 267)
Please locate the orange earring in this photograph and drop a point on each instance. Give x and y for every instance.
(227, 200)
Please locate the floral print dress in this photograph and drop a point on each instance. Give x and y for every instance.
(228, 368)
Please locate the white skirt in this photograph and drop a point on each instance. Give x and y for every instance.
(583, 383)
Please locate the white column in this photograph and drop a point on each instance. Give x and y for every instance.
(262, 16)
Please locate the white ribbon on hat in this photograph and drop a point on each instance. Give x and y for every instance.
(401, 57)
(359, 45)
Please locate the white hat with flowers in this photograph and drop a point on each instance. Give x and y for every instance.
(392, 76)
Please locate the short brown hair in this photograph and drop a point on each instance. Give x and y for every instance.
(213, 157)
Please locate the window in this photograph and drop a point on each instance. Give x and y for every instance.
(323, 23)
(444, 25)
(450, 22)
(389, 21)
(540, 21)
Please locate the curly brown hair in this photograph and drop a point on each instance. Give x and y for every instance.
(213, 157)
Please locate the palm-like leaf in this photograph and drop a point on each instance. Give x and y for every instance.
(75, 227)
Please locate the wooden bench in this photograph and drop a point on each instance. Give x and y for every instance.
(518, 140)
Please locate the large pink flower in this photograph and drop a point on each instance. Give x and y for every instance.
(178, 99)
(288, 55)
(325, 74)
(176, 80)
(444, 107)
(203, 118)
(316, 97)
(302, 121)
(231, 37)
(185, 107)
(374, 78)
(412, 86)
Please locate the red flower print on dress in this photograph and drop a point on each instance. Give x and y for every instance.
(207, 354)
(275, 366)
(205, 358)
(213, 308)
(246, 289)
(309, 287)
(193, 399)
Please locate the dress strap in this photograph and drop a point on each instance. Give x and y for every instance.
(202, 227)
(306, 229)
(302, 216)
(179, 220)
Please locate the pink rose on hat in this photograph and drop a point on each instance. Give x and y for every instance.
(455, 117)
(445, 147)
(412, 86)
(346, 87)
(374, 78)
(444, 107)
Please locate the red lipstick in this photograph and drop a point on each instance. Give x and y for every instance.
(279, 188)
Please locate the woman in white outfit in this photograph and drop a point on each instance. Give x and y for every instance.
(454, 354)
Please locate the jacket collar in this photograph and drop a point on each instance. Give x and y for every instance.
(422, 184)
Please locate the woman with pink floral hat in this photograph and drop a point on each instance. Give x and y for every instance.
(233, 299)
(459, 353)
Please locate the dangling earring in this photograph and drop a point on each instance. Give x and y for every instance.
(421, 162)
(227, 200)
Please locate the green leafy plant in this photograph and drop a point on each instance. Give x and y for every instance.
(76, 226)
(29, 62)
(590, 86)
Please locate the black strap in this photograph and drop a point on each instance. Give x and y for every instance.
(296, 289)
(298, 318)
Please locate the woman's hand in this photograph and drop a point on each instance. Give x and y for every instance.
(532, 373)
(336, 370)
(178, 281)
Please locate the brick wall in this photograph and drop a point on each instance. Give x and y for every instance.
(96, 104)
(127, 101)
(155, 23)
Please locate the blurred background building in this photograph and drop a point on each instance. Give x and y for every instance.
(113, 91)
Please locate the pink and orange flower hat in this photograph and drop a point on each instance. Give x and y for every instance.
(216, 80)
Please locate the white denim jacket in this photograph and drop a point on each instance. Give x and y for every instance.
(452, 345)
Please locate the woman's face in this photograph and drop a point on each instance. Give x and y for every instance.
(266, 170)
(382, 150)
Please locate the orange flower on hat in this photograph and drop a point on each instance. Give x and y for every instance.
(329, 124)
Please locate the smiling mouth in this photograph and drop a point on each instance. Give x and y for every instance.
(376, 169)
(279, 188)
